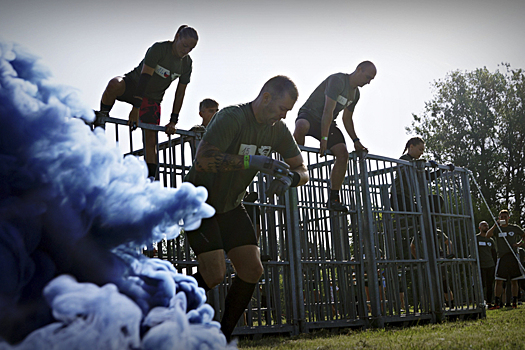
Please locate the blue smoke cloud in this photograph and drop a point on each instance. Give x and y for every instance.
(73, 213)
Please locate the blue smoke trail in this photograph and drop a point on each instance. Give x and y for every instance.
(73, 212)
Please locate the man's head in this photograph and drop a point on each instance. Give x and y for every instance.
(207, 109)
(483, 227)
(277, 97)
(504, 215)
(185, 40)
(364, 73)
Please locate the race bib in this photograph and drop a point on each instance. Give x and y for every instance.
(502, 234)
(482, 243)
(163, 72)
(247, 150)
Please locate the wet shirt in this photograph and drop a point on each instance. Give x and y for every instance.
(167, 68)
(512, 233)
(337, 87)
(485, 247)
(234, 130)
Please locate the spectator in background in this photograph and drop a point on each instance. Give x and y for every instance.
(487, 261)
(508, 238)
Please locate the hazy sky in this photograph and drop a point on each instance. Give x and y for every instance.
(244, 43)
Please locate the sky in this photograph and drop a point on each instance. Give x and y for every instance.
(244, 43)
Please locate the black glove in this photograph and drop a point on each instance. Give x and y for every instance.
(279, 186)
(451, 166)
(267, 165)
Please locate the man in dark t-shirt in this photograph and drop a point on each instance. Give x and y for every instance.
(339, 92)
(237, 145)
(144, 88)
(487, 256)
(508, 238)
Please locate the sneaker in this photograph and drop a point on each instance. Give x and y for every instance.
(334, 204)
(514, 305)
(489, 306)
(495, 307)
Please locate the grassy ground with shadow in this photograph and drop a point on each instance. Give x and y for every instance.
(502, 329)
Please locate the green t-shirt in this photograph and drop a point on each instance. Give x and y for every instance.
(167, 69)
(485, 247)
(512, 233)
(337, 87)
(234, 130)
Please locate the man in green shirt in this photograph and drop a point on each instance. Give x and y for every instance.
(508, 238)
(487, 256)
(317, 116)
(144, 88)
(237, 145)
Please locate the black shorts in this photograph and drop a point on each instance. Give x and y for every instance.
(223, 231)
(335, 136)
(507, 267)
(149, 110)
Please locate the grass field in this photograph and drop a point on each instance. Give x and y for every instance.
(502, 329)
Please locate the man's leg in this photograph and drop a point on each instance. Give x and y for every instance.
(498, 291)
(301, 129)
(490, 283)
(247, 262)
(515, 291)
(115, 88)
(338, 175)
(150, 155)
(212, 268)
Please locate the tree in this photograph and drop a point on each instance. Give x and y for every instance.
(476, 120)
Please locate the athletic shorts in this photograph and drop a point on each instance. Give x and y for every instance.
(335, 136)
(223, 231)
(149, 110)
(507, 267)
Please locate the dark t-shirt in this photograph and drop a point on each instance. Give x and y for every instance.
(167, 68)
(485, 248)
(512, 233)
(234, 130)
(337, 87)
(402, 178)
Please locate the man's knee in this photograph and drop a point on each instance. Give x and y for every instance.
(340, 152)
(301, 127)
(251, 275)
(212, 267)
(116, 87)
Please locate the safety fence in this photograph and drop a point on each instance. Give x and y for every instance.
(405, 252)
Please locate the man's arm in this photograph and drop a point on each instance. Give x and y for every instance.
(297, 164)
(210, 159)
(177, 105)
(326, 120)
(348, 121)
(490, 232)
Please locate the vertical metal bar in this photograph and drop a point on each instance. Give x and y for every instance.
(369, 243)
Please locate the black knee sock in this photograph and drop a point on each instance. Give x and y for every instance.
(334, 195)
(201, 281)
(237, 299)
(104, 107)
(152, 170)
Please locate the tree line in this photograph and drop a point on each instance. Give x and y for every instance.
(476, 120)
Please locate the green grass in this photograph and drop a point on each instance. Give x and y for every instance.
(502, 329)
